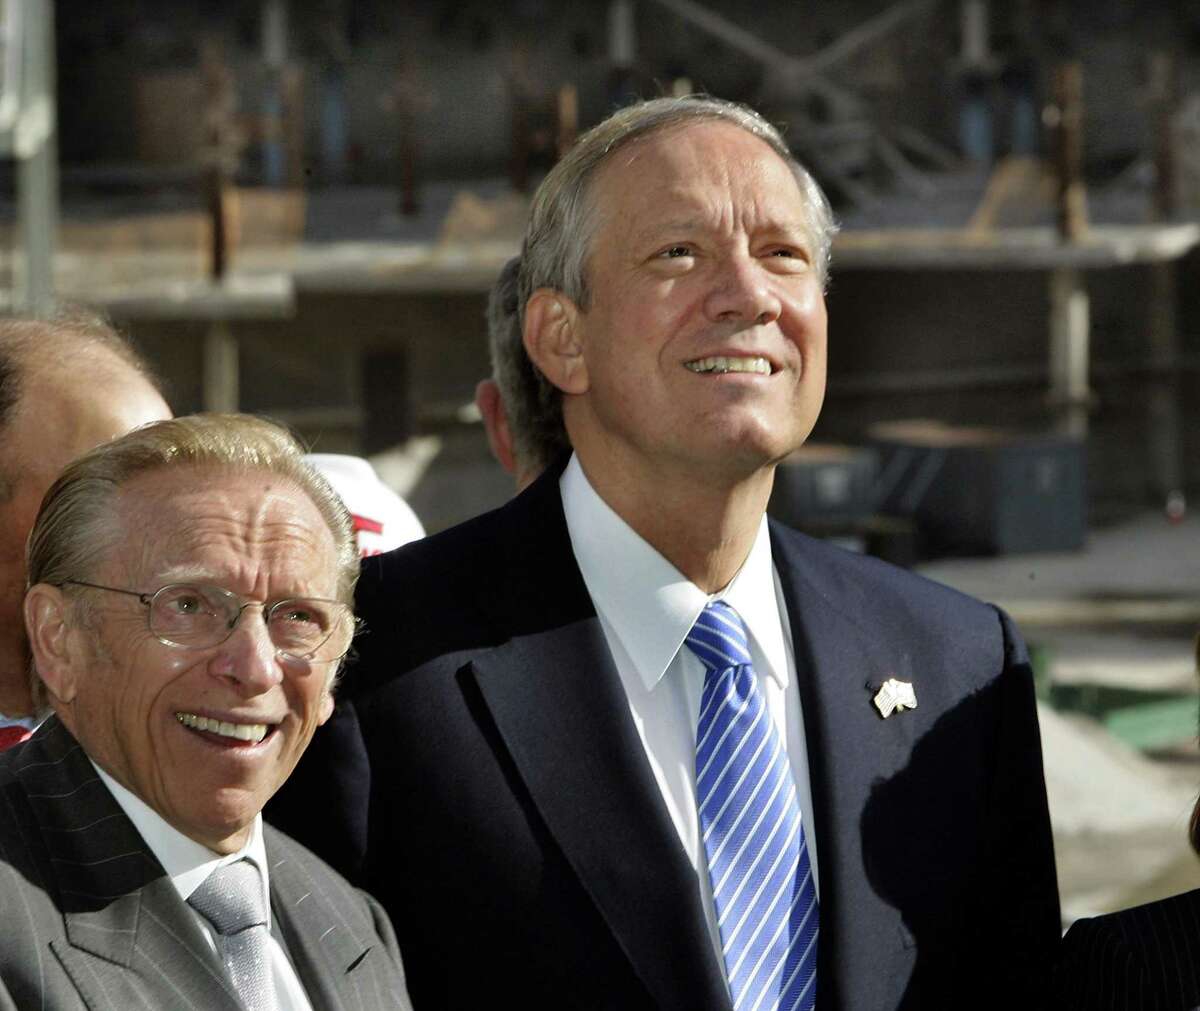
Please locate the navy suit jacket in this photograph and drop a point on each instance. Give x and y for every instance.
(514, 830)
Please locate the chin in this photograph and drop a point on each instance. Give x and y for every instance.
(761, 442)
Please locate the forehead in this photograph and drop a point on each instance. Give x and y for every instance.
(706, 167)
(222, 523)
(67, 407)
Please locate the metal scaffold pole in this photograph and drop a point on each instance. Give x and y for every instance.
(29, 132)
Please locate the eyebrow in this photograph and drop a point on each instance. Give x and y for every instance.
(797, 231)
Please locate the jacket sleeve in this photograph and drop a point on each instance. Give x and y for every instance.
(1019, 918)
(1099, 971)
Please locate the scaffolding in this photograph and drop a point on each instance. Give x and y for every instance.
(29, 135)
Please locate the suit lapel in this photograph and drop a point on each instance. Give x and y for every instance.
(118, 904)
(586, 768)
(322, 946)
(849, 749)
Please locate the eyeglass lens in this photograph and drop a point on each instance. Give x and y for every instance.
(193, 615)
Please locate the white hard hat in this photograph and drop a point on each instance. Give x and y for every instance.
(382, 519)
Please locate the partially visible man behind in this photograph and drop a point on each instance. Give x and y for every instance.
(66, 385)
(189, 608)
(524, 427)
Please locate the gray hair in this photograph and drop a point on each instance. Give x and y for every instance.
(58, 342)
(563, 220)
(537, 431)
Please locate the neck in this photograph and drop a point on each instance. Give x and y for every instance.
(15, 699)
(704, 528)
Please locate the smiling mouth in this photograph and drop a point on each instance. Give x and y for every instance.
(720, 364)
(250, 733)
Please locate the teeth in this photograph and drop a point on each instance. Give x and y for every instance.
(720, 363)
(240, 731)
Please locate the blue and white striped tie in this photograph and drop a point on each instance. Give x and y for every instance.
(762, 883)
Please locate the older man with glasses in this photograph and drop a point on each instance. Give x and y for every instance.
(187, 613)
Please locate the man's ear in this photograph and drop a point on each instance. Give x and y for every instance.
(553, 339)
(326, 709)
(495, 423)
(50, 639)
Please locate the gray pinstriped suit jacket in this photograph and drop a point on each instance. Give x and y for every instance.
(89, 919)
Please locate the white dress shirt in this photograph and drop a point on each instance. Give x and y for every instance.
(188, 863)
(646, 609)
(29, 723)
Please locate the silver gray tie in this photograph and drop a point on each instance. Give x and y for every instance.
(231, 899)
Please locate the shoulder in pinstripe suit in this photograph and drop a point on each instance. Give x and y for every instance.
(1141, 959)
(89, 919)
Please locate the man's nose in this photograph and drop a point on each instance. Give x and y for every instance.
(742, 291)
(248, 657)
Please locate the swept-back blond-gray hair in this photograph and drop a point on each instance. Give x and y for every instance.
(75, 527)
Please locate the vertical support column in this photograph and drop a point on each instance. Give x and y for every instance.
(568, 118)
(221, 155)
(406, 136)
(975, 117)
(1070, 326)
(518, 165)
(220, 389)
(1162, 401)
(274, 56)
(36, 149)
(622, 52)
(220, 365)
(974, 19)
(1164, 89)
(622, 37)
(292, 91)
(1068, 149)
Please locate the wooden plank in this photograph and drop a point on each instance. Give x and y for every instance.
(1029, 612)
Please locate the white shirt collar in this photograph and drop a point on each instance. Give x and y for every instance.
(28, 722)
(651, 604)
(186, 861)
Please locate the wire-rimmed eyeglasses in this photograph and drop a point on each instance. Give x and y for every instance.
(199, 616)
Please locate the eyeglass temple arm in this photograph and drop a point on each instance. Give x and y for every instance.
(145, 598)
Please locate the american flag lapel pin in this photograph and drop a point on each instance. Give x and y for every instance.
(895, 696)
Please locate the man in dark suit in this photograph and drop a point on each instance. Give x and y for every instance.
(572, 804)
(189, 608)
(1146, 958)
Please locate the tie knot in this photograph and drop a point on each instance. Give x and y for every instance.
(231, 898)
(719, 638)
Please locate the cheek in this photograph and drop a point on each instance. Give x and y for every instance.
(309, 700)
(153, 670)
(805, 321)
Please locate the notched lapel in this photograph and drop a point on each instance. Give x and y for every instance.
(586, 770)
(326, 952)
(129, 939)
(558, 704)
(166, 962)
(866, 954)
